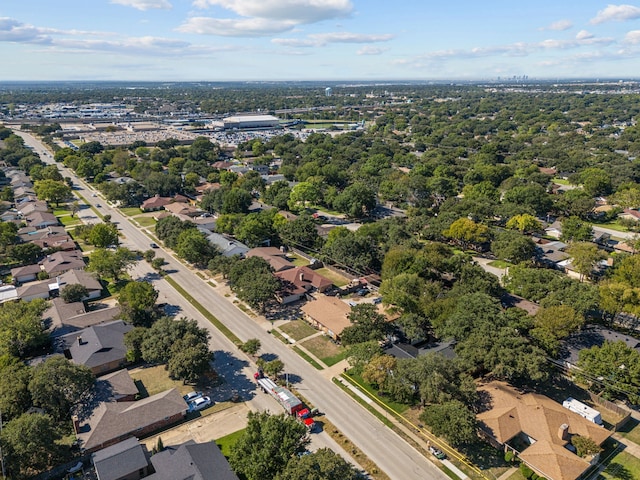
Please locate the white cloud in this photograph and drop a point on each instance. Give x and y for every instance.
(244, 27)
(560, 25)
(144, 4)
(584, 35)
(617, 13)
(12, 30)
(322, 39)
(371, 50)
(298, 11)
(632, 37)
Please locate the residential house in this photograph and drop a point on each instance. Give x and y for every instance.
(298, 281)
(228, 246)
(112, 422)
(329, 314)
(591, 336)
(60, 262)
(22, 192)
(276, 257)
(80, 277)
(99, 347)
(11, 216)
(182, 208)
(42, 289)
(126, 460)
(117, 387)
(193, 461)
(207, 221)
(155, 203)
(25, 274)
(41, 220)
(538, 428)
(630, 214)
(56, 242)
(27, 208)
(62, 318)
(8, 293)
(554, 230)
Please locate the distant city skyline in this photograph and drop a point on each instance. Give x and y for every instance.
(332, 40)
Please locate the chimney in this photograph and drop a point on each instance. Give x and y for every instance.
(76, 424)
(301, 276)
(79, 340)
(563, 432)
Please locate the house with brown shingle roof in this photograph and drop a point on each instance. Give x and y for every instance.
(329, 314)
(112, 422)
(41, 220)
(181, 208)
(60, 262)
(276, 258)
(542, 426)
(298, 281)
(155, 203)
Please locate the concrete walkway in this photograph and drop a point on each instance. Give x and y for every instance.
(508, 473)
(629, 446)
(422, 438)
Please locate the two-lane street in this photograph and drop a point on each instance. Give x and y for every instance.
(390, 452)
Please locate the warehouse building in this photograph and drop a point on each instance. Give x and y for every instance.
(251, 121)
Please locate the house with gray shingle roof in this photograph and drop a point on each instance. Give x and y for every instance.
(99, 347)
(193, 461)
(126, 460)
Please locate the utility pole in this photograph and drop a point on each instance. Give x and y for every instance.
(1, 455)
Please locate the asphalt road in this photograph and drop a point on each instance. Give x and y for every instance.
(389, 451)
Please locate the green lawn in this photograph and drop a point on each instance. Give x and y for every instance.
(130, 211)
(623, 466)
(225, 443)
(631, 431)
(68, 220)
(360, 383)
(325, 350)
(308, 358)
(500, 264)
(145, 221)
(155, 380)
(62, 210)
(298, 329)
(297, 260)
(612, 225)
(560, 181)
(337, 279)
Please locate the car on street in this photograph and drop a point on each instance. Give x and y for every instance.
(98, 205)
(192, 396)
(436, 452)
(199, 403)
(153, 245)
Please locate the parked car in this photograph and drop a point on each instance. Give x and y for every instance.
(436, 452)
(98, 205)
(199, 403)
(153, 245)
(192, 396)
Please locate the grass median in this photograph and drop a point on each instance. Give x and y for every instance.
(216, 323)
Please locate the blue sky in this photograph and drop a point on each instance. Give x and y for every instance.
(218, 40)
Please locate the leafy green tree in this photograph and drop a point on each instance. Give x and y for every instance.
(251, 279)
(357, 200)
(525, 223)
(149, 255)
(366, 324)
(323, 464)
(103, 234)
(236, 200)
(57, 384)
(273, 368)
(467, 232)
(302, 194)
(267, 445)
(251, 346)
(133, 341)
(74, 293)
(451, 420)
(300, 233)
(15, 398)
(277, 194)
(21, 329)
(379, 369)
(137, 303)
(595, 181)
(584, 257)
(52, 191)
(585, 446)
(169, 229)
(513, 247)
(161, 341)
(74, 208)
(576, 230)
(107, 263)
(26, 253)
(617, 364)
(8, 235)
(194, 247)
(553, 324)
(29, 445)
(157, 263)
(254, 229)
(190, 359)
(360, 354)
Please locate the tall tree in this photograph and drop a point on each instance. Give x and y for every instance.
(584, 257)
(52, 191)
(451, 420)
(267, 445)
(137, 302)
(323, 464)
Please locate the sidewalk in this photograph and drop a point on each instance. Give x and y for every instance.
(420, 437)
(630, 447)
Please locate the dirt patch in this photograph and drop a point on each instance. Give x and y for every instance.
(323, 348)
(298, 329)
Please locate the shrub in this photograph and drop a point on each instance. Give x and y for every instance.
(508, 456)
(525, 471)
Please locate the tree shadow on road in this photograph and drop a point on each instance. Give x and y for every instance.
(234, 380)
